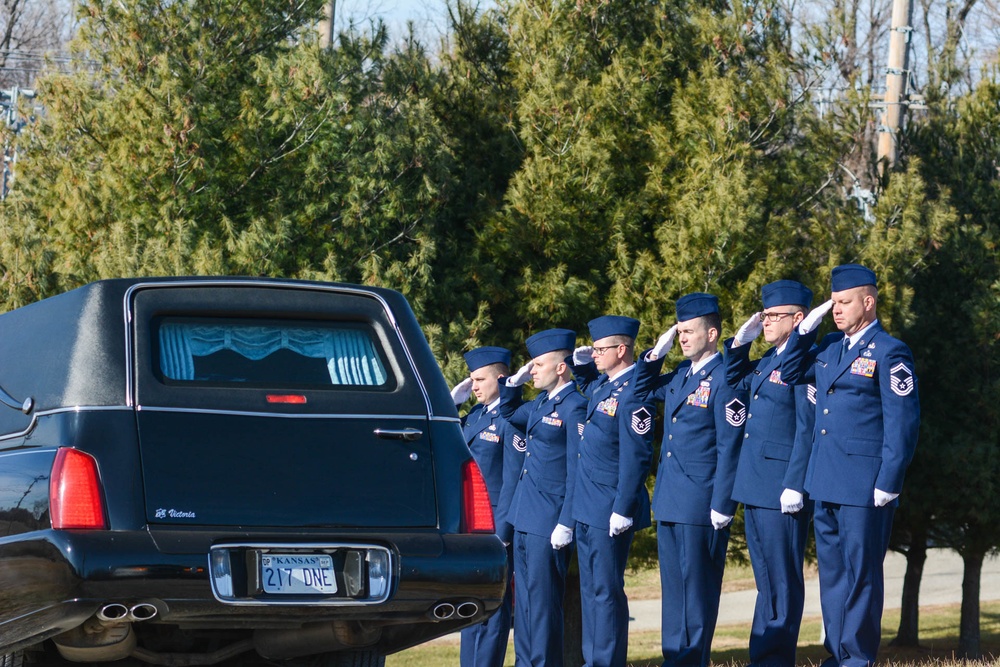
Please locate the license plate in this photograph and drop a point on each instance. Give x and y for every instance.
(297, 574)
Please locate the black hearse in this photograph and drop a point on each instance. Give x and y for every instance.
(251, 471)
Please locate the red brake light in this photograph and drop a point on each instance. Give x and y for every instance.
(75, 498)
(286, 398)
(477, 513)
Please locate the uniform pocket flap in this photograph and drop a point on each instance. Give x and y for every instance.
(699, 468)
(863, 447)
(609, 477)
(776, 450)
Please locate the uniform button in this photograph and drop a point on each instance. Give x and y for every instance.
(577, 456)
(826, 411)
(823, 432)
(669, 455)
(528, 454)
(830, 392)
(670, 437)
(756, 396)
(674, 420)
(746, 435)
(749, 415)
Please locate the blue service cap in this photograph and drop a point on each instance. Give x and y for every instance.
(484, 356)
(786, 293)
(613, 325)
(549, 341)
(847, 276)
(695, 305)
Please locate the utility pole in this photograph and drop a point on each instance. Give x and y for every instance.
(8, 104)
(327, 36)
(897, 79)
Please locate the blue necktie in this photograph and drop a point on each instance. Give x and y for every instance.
(843, 349)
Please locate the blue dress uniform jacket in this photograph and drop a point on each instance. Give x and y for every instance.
(498, 449)
(702, 429)
(867, 419)
(615, 453)
(544, 498)
(545, 488)
(776, 444)
(703, 421)
(769, 460)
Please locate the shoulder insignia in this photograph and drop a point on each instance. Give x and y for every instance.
(901, 379)
(520, 444)
(736, 412)
(642, 421)
(579, 427)
(811, 393)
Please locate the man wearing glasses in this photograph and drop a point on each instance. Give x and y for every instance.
(771, 471)
(610, 500)
(702, 429)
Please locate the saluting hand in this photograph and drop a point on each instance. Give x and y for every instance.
(814, 317)
(663, 344)
(583, 355)
(521, 376)
(460, 394)
(750, 330)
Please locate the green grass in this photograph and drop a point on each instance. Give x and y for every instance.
(938, 636)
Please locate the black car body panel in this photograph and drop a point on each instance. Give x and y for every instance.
(363, 470)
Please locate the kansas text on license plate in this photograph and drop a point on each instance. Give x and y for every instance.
(297, 573)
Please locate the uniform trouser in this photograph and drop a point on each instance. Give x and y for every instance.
(485, 644)
(851, 543)
(692, 561)
(777, 544)
(602, 589)
(538, 589)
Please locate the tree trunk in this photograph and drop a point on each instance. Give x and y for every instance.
(968, 635)
(909, 616)
(572, 619)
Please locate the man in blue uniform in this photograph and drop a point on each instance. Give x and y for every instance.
(703, 426)
(867, 418)
(610, 501)
(499, 452)
(770, 476)
(541, 511)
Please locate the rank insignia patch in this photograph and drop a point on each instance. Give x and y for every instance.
(520, 444)
(863, 366)
(901, 379)
(811, 393)
(579, 427)
(736, 412)
(642, 421)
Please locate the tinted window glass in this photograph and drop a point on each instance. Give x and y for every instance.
(269, 353)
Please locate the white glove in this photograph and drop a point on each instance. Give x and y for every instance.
(720, 521)
(561, 536)
(619, 524)
(521, 376)
(882, 498)
(460, 394)
(663, 344)
(791, 501)
(750, 330)
(814, 317)
(583, 355)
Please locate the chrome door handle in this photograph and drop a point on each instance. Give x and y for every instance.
(399, 433)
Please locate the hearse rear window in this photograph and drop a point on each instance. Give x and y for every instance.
(270, 353)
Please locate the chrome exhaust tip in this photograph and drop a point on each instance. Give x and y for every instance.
(113, 613)
(467, 610)
(443, 611)
(142, 612)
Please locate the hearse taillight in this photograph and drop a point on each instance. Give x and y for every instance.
(75, 497)
(477, 514)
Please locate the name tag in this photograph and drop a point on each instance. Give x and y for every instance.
(863, 366)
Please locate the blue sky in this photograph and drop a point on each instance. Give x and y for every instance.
(428, 16)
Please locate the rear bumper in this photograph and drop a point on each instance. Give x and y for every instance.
(51, 581)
